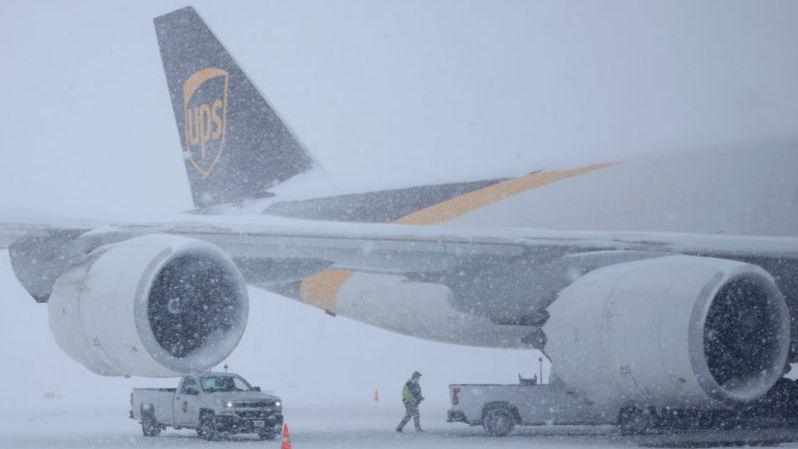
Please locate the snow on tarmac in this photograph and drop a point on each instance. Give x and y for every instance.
(62, 425)
(67, 426)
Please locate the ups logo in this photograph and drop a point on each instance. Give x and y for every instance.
(205, 112)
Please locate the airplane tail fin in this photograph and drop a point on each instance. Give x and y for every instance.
(235, 144)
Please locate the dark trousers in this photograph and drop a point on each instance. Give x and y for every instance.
(411, 411)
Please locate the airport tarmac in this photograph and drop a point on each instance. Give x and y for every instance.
(60, 425)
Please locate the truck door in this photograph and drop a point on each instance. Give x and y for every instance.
(185, 406)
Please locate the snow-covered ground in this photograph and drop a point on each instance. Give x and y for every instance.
(58, 425)
(61, 424)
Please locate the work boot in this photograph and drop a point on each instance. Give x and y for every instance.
(399, 430)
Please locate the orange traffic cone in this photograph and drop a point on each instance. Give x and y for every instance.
(376, 395)
(286, 444)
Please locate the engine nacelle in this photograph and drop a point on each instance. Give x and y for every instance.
(676, 331)
(156, 306)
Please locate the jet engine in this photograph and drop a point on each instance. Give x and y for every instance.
(156, 306)
(675, 331)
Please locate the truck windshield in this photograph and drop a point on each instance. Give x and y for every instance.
(224, 383)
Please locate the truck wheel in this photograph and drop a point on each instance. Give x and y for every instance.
(269, 434)
(207, 427)
(149, 426)
(499, 422)
(634, 421)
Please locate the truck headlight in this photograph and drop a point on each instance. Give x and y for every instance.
(228, 404)
(278, 404)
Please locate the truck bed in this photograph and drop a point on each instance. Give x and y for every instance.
(535, 404)
(161, 399)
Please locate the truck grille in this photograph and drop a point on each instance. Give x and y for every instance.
(259, 404)
(253, 414)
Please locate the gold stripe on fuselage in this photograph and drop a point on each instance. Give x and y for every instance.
(463, 204)
(320, 290)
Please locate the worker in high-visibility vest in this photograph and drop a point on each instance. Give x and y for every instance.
(411, 396)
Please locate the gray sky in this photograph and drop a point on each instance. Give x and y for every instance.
(396, 91)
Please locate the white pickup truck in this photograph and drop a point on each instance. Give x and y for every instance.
(214, 404)
(499, 408)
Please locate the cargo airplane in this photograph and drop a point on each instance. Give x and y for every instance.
(674, 278)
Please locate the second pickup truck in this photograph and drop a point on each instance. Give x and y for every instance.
(499, 408)
(214, 404)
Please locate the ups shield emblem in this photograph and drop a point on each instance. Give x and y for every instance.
(205, 113)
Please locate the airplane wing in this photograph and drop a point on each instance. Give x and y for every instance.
(305, 248)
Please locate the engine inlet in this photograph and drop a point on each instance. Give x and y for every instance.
(192, 299)
(745, 338)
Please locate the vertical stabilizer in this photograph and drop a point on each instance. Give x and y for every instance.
(235, 145)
